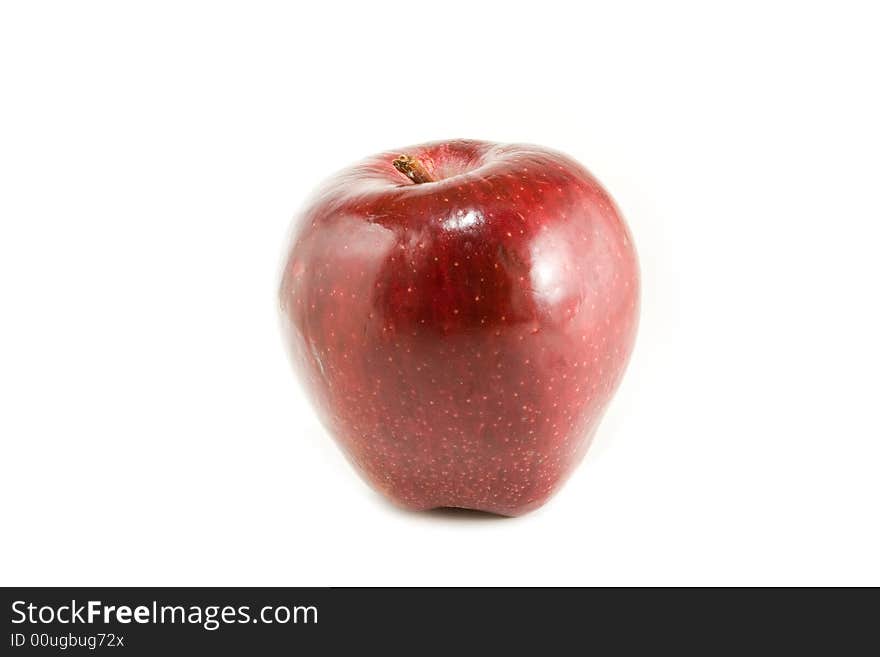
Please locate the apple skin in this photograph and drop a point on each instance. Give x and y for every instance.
(461, 338)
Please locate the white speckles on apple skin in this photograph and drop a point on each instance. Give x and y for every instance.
(463, 362)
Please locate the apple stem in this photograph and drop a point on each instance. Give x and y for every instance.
(412, 169)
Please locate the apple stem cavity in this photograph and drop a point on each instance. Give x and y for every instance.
(412, 169)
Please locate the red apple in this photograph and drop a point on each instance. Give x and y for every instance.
(461, 313)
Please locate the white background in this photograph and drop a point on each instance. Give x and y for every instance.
(153, 154)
